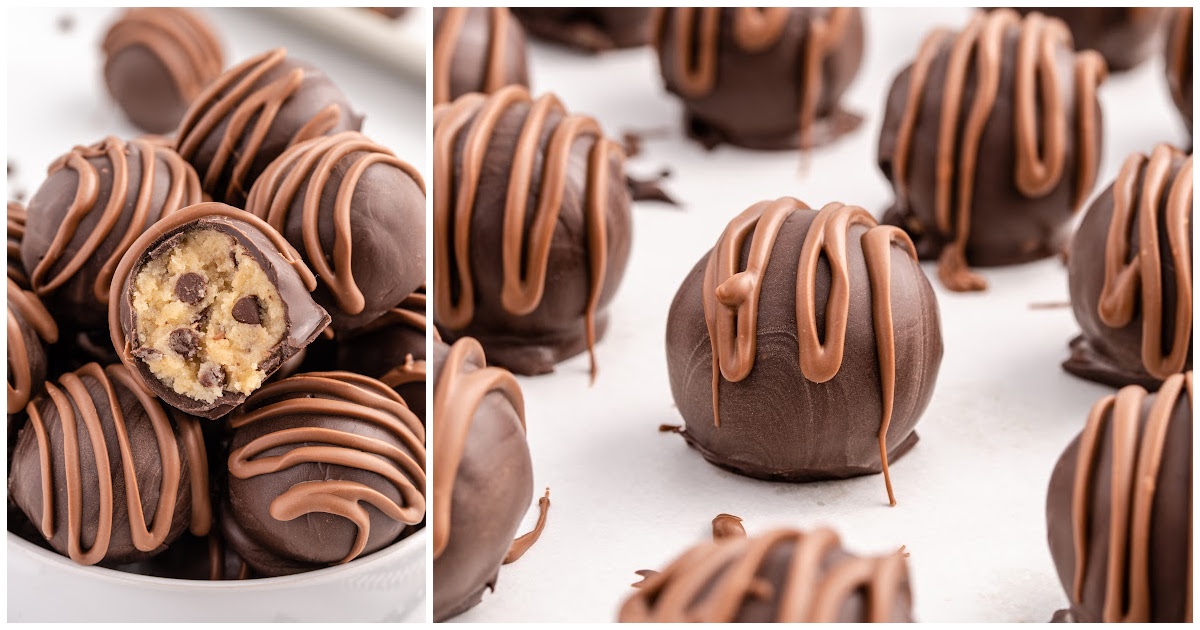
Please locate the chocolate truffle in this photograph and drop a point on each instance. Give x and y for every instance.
(476, 49)
(249, 115)
(94, 203)
(98, 444)
(783, 344)
(991, 140)
(1124, 36)
(1178, 55)
(785, 575)
(761, 78)
(207, 304)
(483, 476)
(392, 349)
(592, 29)
(16, 233)
(1130, 275)
(356, 213)
(324, 467)
(30, 327)
(1119, 509)
(156, 62)
(531, 227)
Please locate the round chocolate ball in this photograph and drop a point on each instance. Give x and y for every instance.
(157, 60)
(1124, 36)
(1130, 274)
(476, 49)
(251, 114)
(95, 201)
(805, 345)
(1119, 510)
(392, 349)
(324, 467)
(988, 167)
(30, 327)
(1178, 57)
(356, 213)
(71, 469)
(761, 78)
(591, 29)
(531, 227)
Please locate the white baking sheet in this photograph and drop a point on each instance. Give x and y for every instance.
(971, 494)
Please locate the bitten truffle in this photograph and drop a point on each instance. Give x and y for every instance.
(531, 227)
(761, 78)
(251, 114)
(1124, 36)
(1119, 509)
(991, 140)
(157, 60)
(71, 469)
(392, 349)
(805, 345)
(592, 29)
(324, 467)
(356, 213)
(476, 49)
(1178, 57)
(1130, 275)
(207, 304)
(95, 201)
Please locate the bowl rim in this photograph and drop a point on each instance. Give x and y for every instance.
(308, 578)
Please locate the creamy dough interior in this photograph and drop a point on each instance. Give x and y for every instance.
(207, 316)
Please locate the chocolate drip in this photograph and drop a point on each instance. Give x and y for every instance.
(527, 540)
(502, 54)
(184, 44)
(1141, 204)
(26, 357)
(716, 581)
(727, 526)
(1039, 128)
(343, 395)
(1136, 451)
(469, 122)
(731, 297)
(56, 267)
(16, 234)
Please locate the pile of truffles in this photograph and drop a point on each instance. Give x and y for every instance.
(163, 295)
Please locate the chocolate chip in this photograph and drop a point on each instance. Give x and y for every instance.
(211, 375)
(245, 310)
(202, 317)
(189, 288)
(184, 341)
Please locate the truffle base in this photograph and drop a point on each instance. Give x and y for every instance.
(930, 243)
(530, 356)
(823, 131)
(1089, 363)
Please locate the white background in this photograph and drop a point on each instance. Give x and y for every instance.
(971, 494)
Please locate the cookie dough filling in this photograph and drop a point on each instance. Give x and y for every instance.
(207, 316)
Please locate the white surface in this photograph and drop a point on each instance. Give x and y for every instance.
(57, 99)
(398, 43)
(971, 494)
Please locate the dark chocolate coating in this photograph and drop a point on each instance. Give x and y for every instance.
(1125, 36)
(1170, 523)
(592, 29)
(756, 100)
(492, 492)
(229, 163)
(473, 50)
(16, 233)
(776, 424)
(1178, 54)
(305, 319)
(382, 350)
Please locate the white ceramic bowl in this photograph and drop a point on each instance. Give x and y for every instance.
(385, 586)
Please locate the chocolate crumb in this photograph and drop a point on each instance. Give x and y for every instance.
(211, 375)
(66, 23)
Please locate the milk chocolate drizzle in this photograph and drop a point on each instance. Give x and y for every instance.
(183, 189)
(525, 253)
(28, 308)
(16, 233)
(712, 582)
(247, 110)
(1039, 120)
(446, 40)
(184, 44)
(411, 313)
(698, 39)
(346, 395)
(1137, 451)
(310, 166)
(731, 297)
(74, 404)
(1133, 280)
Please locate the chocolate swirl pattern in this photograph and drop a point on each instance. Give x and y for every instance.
(1041, 129)
(97, 402)
(294, 413)
(29, 327)
(548, 139)
(731, 297)
(806, 575)
(177, 37)
(501, 53)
